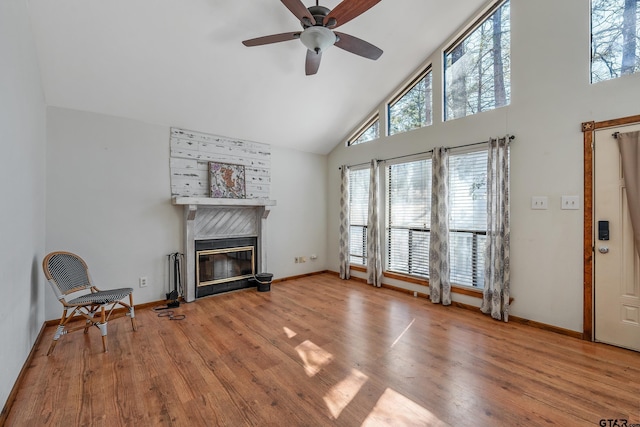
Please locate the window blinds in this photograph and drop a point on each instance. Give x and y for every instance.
(358, 211)
(467, 217)
(409, 214)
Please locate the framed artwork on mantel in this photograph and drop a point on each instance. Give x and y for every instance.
(227, 181)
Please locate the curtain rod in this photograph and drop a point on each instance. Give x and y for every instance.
(511, 138)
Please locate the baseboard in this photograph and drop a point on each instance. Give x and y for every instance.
(300, 276)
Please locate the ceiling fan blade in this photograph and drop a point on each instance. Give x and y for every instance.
(347, 10)
(312, 63)
(274, 38)
(359, 47)
(299, 10)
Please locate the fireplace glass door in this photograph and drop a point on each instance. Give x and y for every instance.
(224, 265)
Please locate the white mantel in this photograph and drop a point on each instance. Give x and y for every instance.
(209, 218)
(208, 201)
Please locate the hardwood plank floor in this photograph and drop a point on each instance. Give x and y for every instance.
(318, 351)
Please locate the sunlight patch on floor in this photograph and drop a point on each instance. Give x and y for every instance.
(342, 393)
(403, 332)
(394, 409)
(313, 357)
(289, 332)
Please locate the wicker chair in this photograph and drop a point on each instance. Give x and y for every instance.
(67, 274)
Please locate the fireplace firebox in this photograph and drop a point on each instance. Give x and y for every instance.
(224, 265)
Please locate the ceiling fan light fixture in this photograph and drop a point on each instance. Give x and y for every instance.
(317, 38)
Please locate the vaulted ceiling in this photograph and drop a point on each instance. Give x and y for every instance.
(181, 63)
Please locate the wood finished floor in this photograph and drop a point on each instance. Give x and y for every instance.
(319, 351)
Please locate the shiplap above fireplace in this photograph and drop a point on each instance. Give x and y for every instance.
(192, 151)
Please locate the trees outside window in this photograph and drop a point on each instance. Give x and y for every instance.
(368, 132)
(412, 108)
(478, 66)
(615, 34)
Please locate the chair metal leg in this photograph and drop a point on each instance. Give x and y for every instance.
(132, 313)
(103, 328)
(60, 331)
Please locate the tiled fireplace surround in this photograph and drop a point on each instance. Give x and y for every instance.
(208, 218)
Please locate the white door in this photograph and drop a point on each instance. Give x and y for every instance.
(617, 265)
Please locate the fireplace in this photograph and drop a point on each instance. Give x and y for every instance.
(224, 265)
(218, 237)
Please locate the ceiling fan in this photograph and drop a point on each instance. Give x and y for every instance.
(317, 34)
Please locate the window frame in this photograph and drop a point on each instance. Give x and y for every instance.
(387, 220)
(619, 71)
(400, 94)
(484, 16)
(351, 141)
(364, 227)
(477, 275)
(477, 248)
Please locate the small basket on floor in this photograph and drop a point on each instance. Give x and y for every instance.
(264, 281)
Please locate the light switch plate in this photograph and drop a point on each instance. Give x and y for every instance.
(571, 202)
(539, 202)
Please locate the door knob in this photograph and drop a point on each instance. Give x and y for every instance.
(603, 249)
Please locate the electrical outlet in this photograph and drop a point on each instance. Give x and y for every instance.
(303, 259)
(296, 260)
(142, 282)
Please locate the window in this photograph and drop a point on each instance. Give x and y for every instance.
(368, 132)
(615, 30)
(477, 66)
(409, 216)
(358, 211)
(412, 108)
(467, 217)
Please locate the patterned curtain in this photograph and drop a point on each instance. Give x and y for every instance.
(374, 254)
(629, 144)
(344, 223)
(439, 285)
(496, 262)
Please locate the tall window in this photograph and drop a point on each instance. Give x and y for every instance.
(358, 210)
(412, 108)
(615, 34)
(478, 66)
(467, 217)
(368, 132)
(409, 215)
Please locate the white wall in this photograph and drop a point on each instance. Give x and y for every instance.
(298, 224)
(551, 97)
(109, 200)
(22, 165)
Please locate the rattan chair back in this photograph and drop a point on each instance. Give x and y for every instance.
(67, 271)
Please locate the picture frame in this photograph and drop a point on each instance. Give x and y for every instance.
(227, 181)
